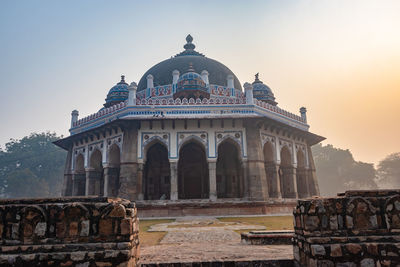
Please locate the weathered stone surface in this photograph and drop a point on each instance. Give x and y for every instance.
(336, 250)
(317, 250)
(358, 228)
(68, 232)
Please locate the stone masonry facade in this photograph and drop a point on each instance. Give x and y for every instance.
(86, 231)
(358, 228)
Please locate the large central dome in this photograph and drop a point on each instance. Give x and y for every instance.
(162, 72)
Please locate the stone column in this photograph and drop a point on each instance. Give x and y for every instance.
(129, 165)
(212, 172)
(174, 180)
(88, 185)
(294, 177)
(139, 186)
(107, 179)
(246, 193)
(257, 178)
(277, 181)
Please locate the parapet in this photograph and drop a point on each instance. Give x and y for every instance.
(357, 228)
(70, 231)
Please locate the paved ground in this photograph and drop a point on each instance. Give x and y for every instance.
(207, 239)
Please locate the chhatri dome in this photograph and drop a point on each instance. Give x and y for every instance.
(262, 92)
(118, 93)
(163, 72)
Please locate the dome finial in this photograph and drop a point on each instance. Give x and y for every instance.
(189, 38)
(122, 78)
(256, 77)
(189, 45)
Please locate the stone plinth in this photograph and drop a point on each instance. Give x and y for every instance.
(267, 237)
(86, 231)
(358, 228)
(205, 207)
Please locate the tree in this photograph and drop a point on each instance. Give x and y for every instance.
(23, 183)
(389, 171)
(36, 157)
(337, 171)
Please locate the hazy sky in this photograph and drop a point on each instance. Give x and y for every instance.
(340, 59)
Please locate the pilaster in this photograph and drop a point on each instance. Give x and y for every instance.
(212, 172)
(256, 175)
(174, 180)
(129, 165)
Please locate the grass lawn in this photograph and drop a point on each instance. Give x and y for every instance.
(150, 238)
(270, 222)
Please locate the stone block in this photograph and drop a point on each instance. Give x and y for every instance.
(336, 250)
(353, 248)
(105, 227)
(367, 263)
(318, 250)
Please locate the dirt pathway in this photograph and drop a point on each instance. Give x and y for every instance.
(194, 239)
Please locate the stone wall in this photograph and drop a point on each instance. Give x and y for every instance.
(358, 228)
(86, 231)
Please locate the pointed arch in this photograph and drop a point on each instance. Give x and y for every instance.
(95, 174)
(152, 141)
(79, 177)
(111, 173)
(270, 169)
(193, 139)
(286, 172)
(229, 170)
(233, 141)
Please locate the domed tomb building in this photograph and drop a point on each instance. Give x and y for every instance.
(189, 130)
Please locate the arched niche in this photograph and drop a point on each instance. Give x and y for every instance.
(270, 169)
(96, 175)
(301, 174)
(193, 180)
(79, 179)
(229, 170)
(157, 174)
(286, 174)
(113, 170)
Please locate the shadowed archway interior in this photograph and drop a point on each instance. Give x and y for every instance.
(95, 174)
(286, 173)
(157, 183)
(79, 180)
(229, 171)
(270, 169)
(113, 170)
(193, 180)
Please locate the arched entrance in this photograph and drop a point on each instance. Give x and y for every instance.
(96, 178)
(301, 175)
(112, 171)
(157, 182)
(229, 171)
(286, 173)
(270, 169)
(79, 180)
(193, 180)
